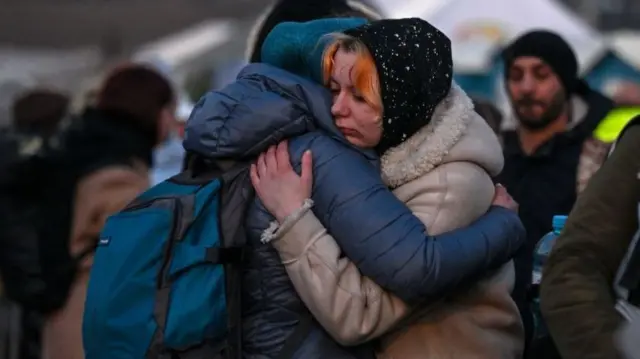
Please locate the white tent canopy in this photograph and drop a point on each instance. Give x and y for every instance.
(181, 52)
(478, 28)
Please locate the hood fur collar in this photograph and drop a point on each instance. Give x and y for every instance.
(428, 147)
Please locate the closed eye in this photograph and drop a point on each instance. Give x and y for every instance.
(357, 96)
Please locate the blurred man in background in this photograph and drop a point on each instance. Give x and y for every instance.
(36, 117)
(555, 116)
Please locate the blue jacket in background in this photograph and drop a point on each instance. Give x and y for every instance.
(167, 159)
(375, 230)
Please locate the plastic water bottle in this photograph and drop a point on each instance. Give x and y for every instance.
(540, 256)
(544, 246)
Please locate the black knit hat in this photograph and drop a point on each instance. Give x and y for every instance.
(415, 68)
(302, 11)
(550, 48)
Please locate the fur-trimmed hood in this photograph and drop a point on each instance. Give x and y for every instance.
(456, 133)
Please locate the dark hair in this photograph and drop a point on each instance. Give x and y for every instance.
(138, 92)
(39, 111)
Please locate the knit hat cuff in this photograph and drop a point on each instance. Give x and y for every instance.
(550, 48)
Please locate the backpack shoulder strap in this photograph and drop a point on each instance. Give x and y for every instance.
(236, 194)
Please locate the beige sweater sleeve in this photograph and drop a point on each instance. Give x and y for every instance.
(351, 307)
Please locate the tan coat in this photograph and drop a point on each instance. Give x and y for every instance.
(99, 195)
(443, 174)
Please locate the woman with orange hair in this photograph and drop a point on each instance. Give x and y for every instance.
(392, 91)
(271, 102)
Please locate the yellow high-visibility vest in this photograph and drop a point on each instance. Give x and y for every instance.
(610, 127)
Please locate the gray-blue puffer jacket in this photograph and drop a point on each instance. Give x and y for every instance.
(376, 231)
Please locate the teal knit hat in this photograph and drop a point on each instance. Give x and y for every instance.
(298, 46)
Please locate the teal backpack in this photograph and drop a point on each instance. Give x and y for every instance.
(165, 283)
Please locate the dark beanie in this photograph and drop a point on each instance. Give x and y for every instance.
(302, 11)
(415, 68)
(550, 48)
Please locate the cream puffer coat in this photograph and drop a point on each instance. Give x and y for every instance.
(443, 174)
